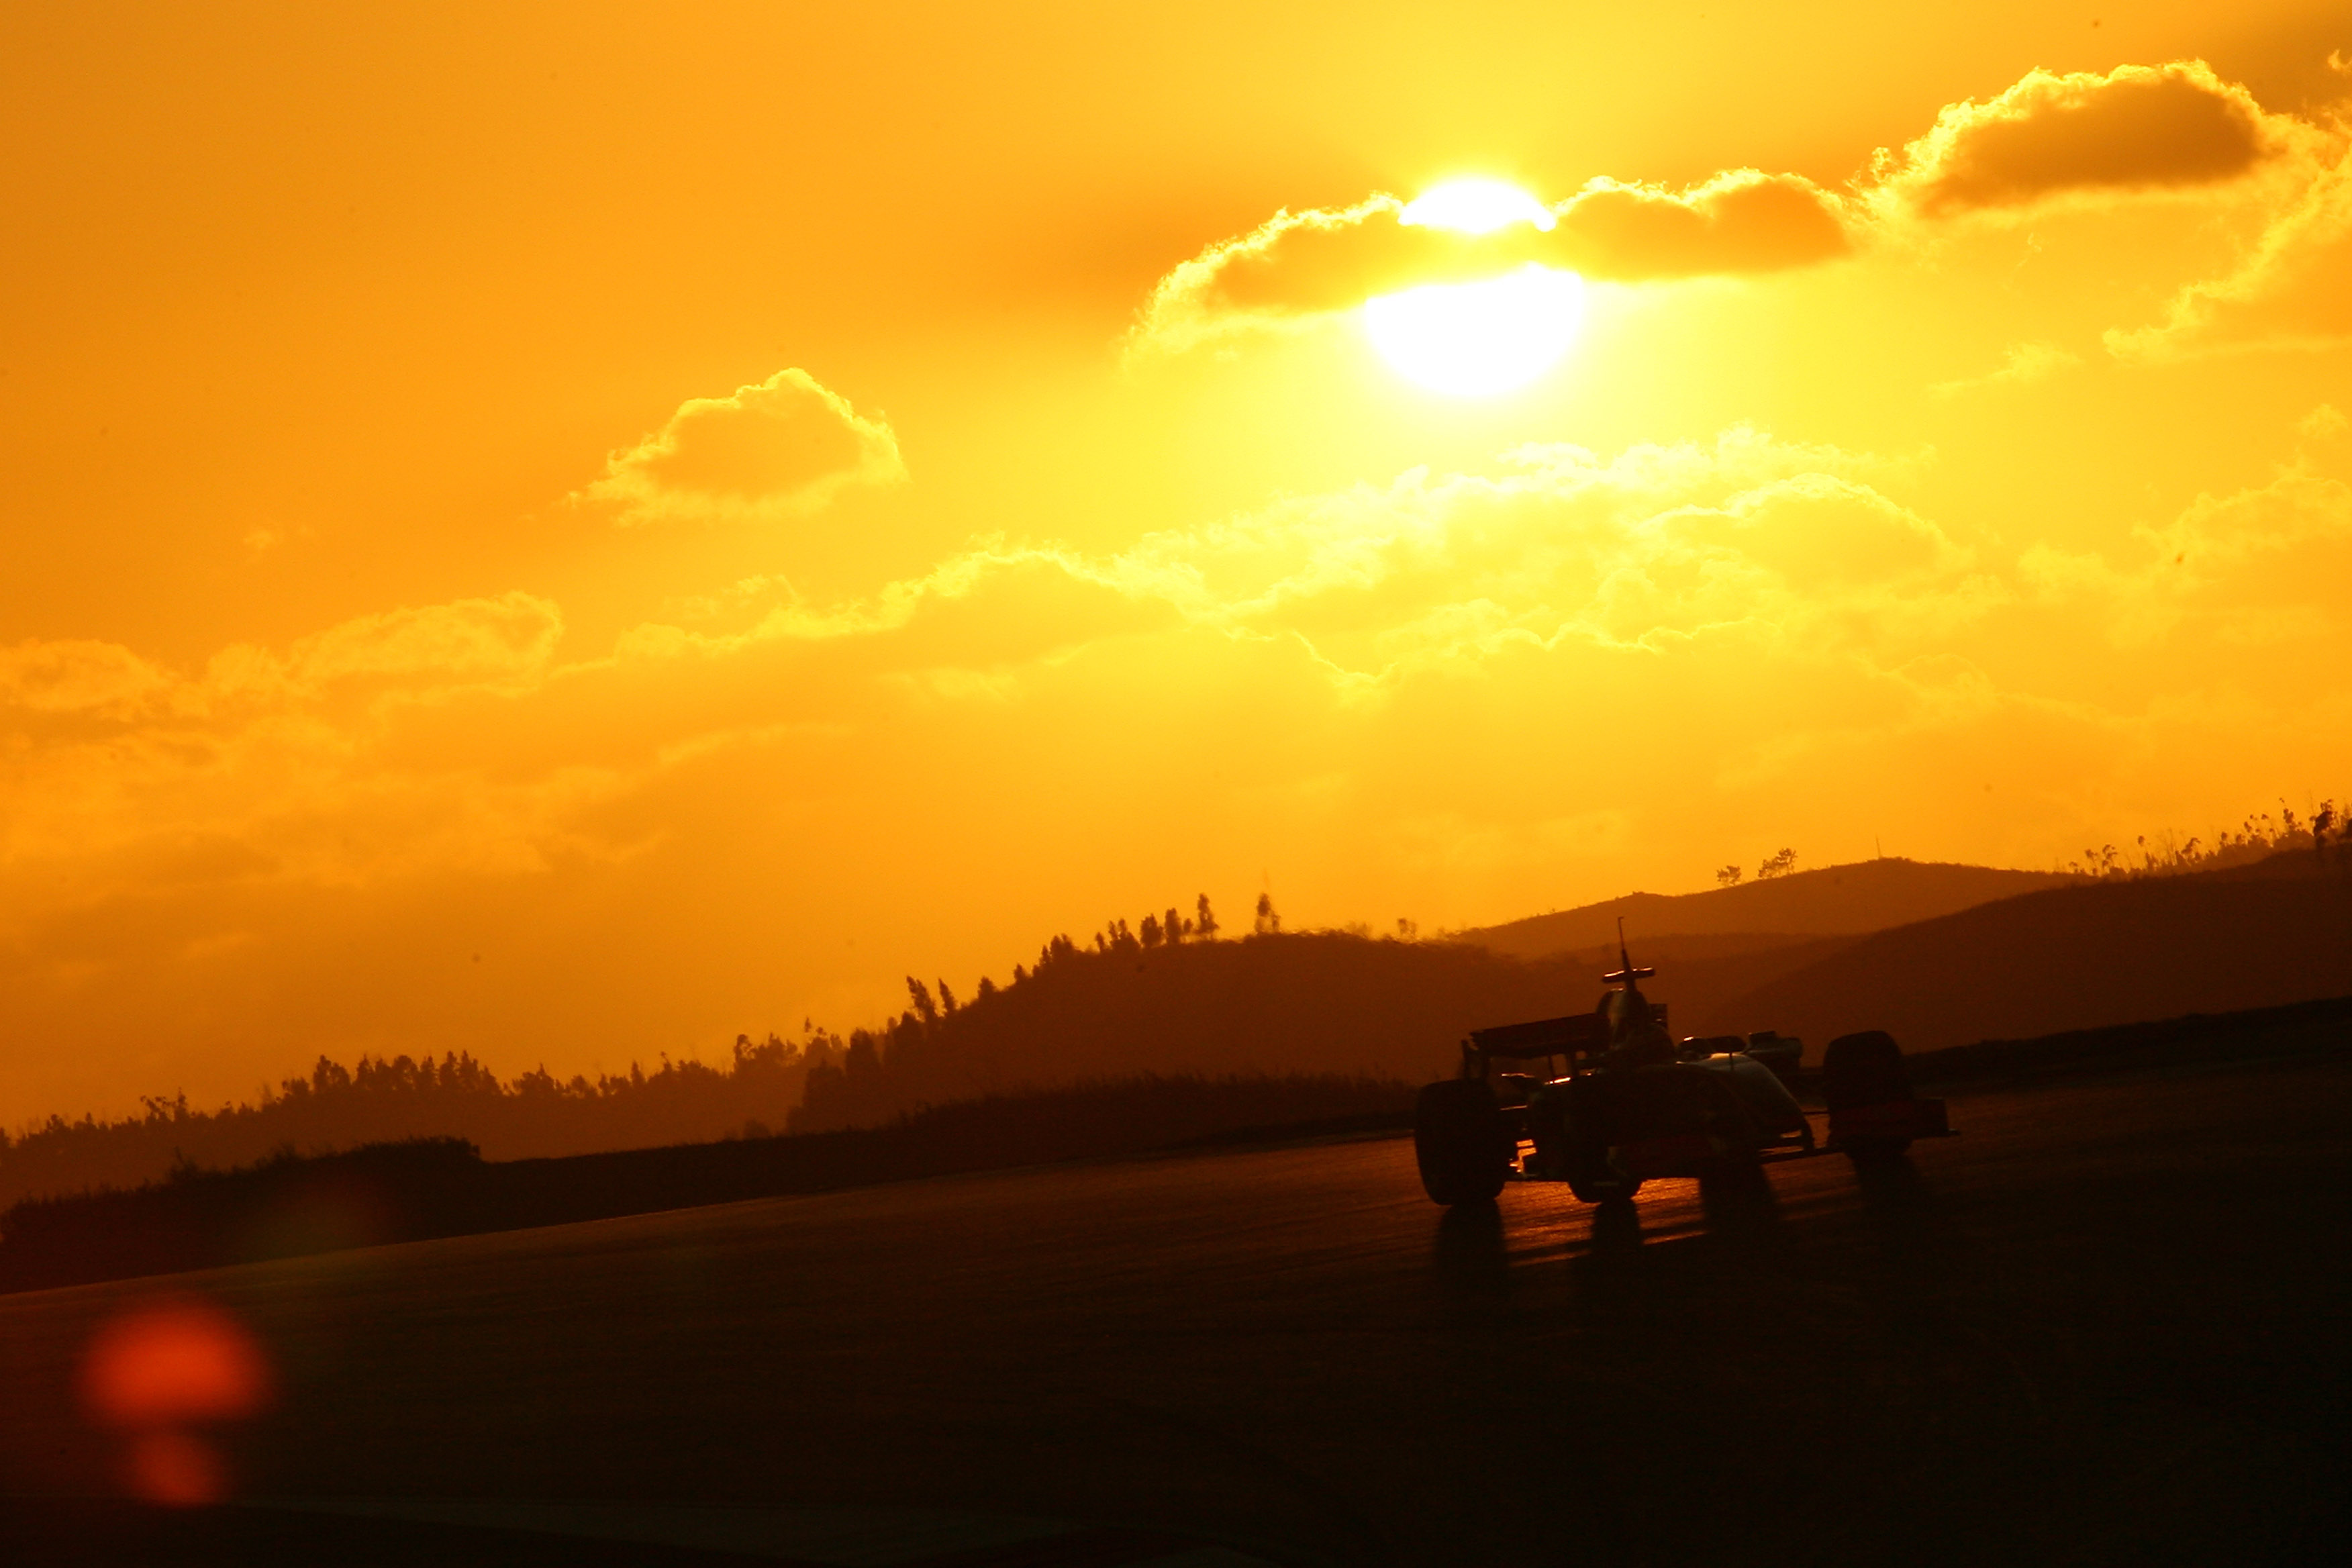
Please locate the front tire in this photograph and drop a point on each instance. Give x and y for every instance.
(1865, 1069)
(1460, 1141)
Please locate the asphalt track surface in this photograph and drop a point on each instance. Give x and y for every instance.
(2107, 1324)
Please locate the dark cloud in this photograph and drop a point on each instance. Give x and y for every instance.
(2138, 128)
(1740, 222)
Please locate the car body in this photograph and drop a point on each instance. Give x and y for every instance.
(1632, 1106)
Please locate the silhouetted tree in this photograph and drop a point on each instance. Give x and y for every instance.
(1728, 877)
(1149, 932)
(1204, 924)
(925, 1008)
(1268, 922)
(1778, 864)
(1171, 930)
(947, 998)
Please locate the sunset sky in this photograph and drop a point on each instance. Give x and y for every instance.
(573, 532)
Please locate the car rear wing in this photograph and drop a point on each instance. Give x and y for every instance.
(1572, 1035)
(1577, 1035)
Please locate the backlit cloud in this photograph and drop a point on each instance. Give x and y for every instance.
(2134, 131)
(775, 449)
(1740, 222)
(2136, 128)
(1295, 266)
(2287, 290)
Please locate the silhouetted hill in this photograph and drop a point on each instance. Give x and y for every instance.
(1167, 1000)
(1836, 900)
(1313, 1002)
(1697, 975)
(2075, 957)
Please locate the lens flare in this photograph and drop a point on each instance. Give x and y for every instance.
(1477, 339)
(159, 1373)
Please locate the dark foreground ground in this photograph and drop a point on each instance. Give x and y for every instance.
(2105, 1325)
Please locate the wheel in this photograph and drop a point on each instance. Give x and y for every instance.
(1574, 1140)
(1595, 1179)
(1738, 1172)
(1460, 1141)
(1863, 1070)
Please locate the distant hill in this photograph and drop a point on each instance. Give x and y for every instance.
(1836, 900)
(2071, 956)
(1798, 954)
(2076, 957)
(1315, 1002)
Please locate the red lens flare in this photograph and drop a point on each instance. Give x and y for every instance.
(158, 1372)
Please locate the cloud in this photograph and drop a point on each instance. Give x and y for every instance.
(777, 448)
(77, 676)
(2287, 290)
(2022, 365)
(1297, 266)
(2132, 132)
(2252, 566)
(504, 642)
(1740, 222)
(1746, 536)
(108, 750)
(2135, 128)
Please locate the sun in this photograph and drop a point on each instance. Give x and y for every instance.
(1478, 339)
(1476, 206)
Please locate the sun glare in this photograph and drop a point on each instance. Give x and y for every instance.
(1477, 339)
(1476, 206)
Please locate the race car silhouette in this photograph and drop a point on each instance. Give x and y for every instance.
(1633, 1107)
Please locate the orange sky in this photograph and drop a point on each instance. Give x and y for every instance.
(571, 533)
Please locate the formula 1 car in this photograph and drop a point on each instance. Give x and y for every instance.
(1631, 1107)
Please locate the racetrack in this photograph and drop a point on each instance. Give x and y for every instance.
(2105, 1325)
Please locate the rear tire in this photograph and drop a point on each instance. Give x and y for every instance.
(1460, 1141)
(1738, 1171)
(1598, 1182)
(1863, 1070)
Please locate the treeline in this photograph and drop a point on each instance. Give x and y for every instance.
(287, 1206)
(2326, 832)
(380, 1100)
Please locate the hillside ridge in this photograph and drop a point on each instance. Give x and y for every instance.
(1851, 899)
